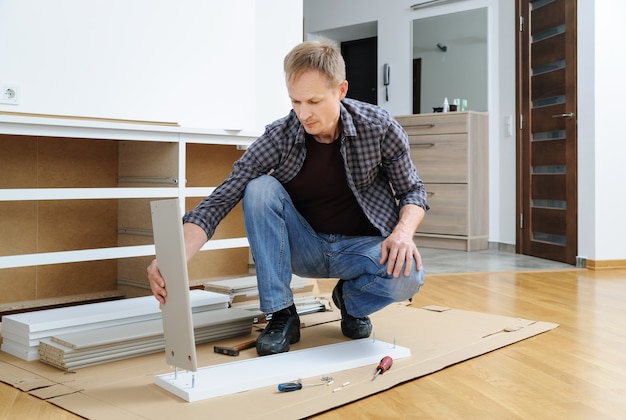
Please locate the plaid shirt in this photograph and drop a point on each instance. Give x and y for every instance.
(376, 156)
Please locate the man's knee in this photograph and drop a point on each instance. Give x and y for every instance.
(260, 185)
(407, 287)
(260, 189)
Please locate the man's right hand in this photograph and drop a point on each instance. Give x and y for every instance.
(195, 237)
(157, 282)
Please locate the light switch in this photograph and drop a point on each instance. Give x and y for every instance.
(508, 125)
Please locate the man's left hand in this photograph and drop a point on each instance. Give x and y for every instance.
(398, 251)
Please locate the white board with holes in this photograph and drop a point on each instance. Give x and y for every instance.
(229, 378)
(180, 345)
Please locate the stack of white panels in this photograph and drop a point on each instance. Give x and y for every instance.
(108, 344)
(304, 305)
(247, 286)
(21, 333)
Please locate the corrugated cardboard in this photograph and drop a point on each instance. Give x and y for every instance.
(438, 337)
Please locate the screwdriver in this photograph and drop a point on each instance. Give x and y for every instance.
(294, 386)
(383, 366)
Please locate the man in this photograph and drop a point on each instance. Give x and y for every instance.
(329, 191)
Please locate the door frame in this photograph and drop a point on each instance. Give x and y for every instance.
(523, 108)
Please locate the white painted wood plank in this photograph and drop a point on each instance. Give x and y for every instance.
(63, 354)
(38, 194)
(247, 285)
(151, 328)
(102, 345)
(120, 130)
(28, 260)
(198, 191)
(20, 351)
(244, 375)
(20, 341)
(180, 346)
(45, 258)
(227, 243)
(58, 360)
(96, 313)
(70, 354)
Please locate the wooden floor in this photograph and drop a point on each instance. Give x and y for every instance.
(577, 371)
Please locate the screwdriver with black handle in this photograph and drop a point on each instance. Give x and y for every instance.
(383, 366)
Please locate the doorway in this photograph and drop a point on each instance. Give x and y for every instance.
(547, 180)
(361, 57)
(417, 85)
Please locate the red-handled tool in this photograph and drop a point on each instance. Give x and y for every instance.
(383, 366)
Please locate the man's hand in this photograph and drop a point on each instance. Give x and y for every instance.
(194, 239)
(157, 282)
(398, 249)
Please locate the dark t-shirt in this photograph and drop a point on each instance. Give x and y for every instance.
(321, 193)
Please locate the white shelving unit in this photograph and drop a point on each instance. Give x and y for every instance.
(169, 142)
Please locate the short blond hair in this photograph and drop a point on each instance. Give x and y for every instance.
(322, 55)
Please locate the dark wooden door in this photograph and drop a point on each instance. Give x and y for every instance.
(361, 57)
(547, 140)
(417, 85)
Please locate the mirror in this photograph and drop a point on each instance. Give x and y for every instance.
(450, 60)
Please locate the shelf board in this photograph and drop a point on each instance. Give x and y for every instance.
(244, 375)
(114, 130)
(29, 260)
(34, 194)
(198, 191)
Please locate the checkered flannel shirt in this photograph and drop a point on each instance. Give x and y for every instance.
(376, 155)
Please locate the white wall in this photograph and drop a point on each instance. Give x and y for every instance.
(278, 29)
(394, 22)
(200, 63)
(601, 93)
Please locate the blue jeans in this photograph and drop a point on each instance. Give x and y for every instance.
(282, 242)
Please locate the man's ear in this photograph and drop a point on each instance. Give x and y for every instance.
(343, 89)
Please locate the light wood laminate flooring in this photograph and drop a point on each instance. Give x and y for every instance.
(577, 371)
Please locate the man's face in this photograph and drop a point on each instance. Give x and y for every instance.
(317, 104)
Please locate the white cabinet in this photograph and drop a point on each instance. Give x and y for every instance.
(450, 151)
(74, 202)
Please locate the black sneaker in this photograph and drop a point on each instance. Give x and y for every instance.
(351, 327)
(282, 330)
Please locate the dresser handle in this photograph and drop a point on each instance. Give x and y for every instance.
(423, 145)
(429, 194)
(423, 125)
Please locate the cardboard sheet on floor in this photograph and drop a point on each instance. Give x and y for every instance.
(437, 337)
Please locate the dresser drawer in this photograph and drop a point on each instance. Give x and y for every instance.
(450, 151)
(448, 214)
(440, 123)
(440, 158)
